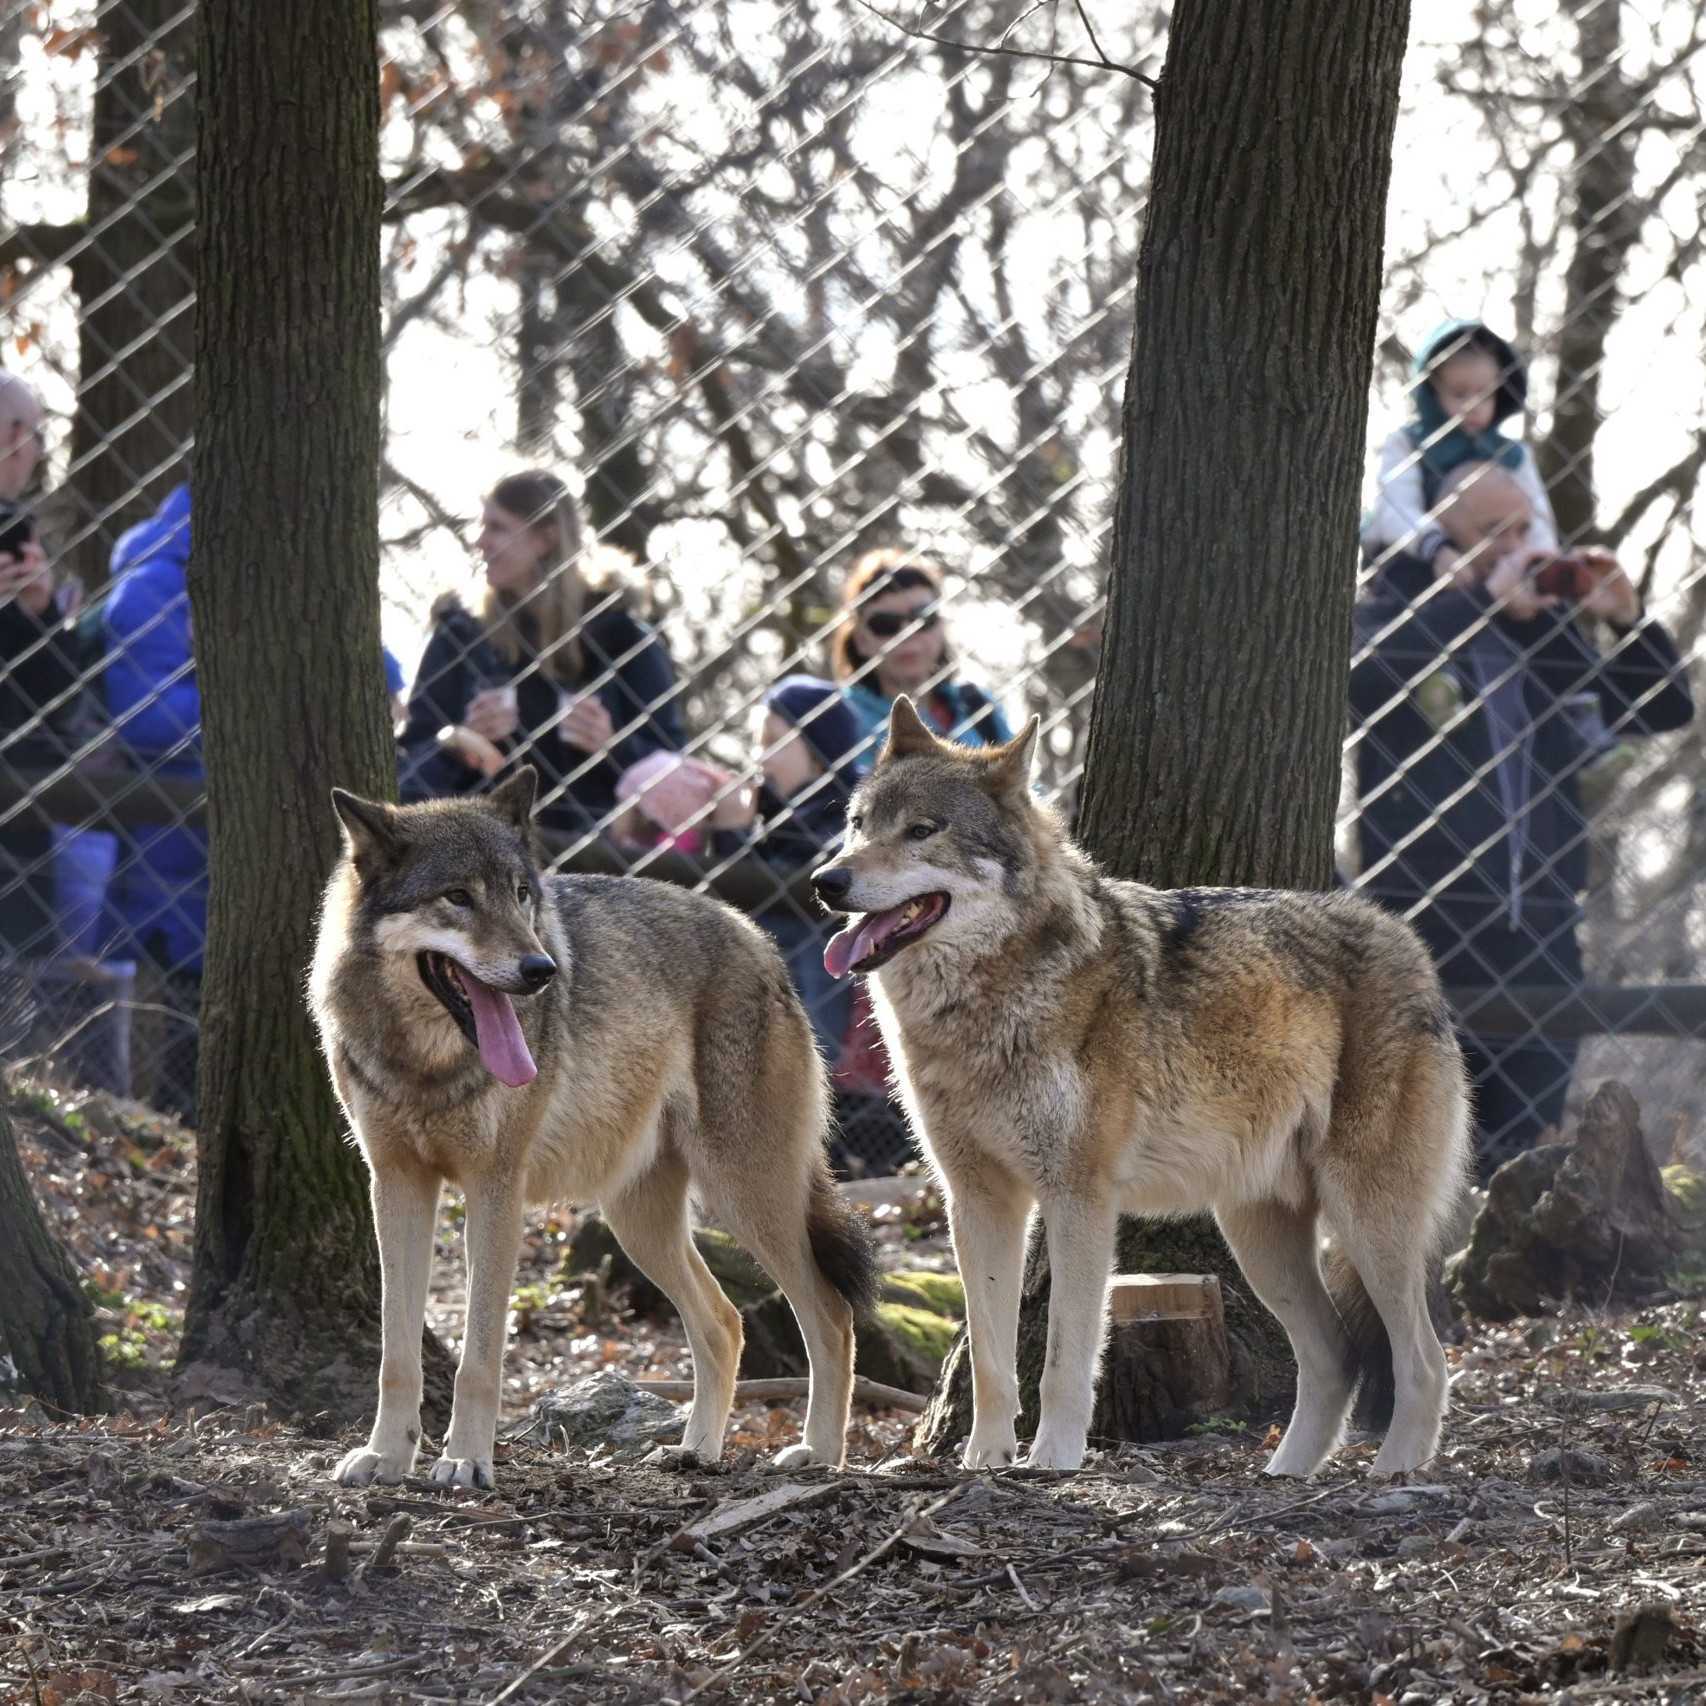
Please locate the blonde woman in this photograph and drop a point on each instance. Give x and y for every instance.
(533, 676)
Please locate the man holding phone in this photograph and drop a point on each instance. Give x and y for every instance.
(1480, 698)
(37, 675)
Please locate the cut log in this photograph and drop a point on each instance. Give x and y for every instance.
(1168, 1361)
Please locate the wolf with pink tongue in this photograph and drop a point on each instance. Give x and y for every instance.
(614, 1041)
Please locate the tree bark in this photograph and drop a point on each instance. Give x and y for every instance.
(134, 279)
(47, 1325)
(1215, 734)
(284, 592)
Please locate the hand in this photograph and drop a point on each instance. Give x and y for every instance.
(1463, 570)
(24, 577)
(471, 749)
(1512, 587)
(736, 809)
(492, 714)
(586, 725)
(1613, 597)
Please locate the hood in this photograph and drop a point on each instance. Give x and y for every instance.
(1512, 395)
(165, 535)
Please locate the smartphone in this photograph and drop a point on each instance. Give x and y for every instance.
(1565, 577)
(17, 529)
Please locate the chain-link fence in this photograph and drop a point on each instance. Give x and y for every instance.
(803, 330)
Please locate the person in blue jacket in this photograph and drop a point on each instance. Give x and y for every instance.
(893, 640)
(1478, 702)
(550, 672)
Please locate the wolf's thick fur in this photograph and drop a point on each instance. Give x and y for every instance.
(673, 1058)
(1099, 1048)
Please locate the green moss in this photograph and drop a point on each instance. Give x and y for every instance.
(941, 1294)
(921, 1335)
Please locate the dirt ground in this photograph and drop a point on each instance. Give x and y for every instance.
(1553, 1551)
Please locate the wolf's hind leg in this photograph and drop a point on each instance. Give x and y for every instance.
(1276, 1249)
(405, 1201)
(776, 1235)
(650, 1221)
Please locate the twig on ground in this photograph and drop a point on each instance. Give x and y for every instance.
(872, 1392)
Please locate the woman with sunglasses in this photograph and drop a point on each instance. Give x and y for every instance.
(892, 639)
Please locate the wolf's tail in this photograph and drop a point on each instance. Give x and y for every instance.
(1368, 1344)
(841, 1244)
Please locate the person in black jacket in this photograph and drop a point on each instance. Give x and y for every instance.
(550, 672)
(1478, 703)
(38, 680)
(810, 752)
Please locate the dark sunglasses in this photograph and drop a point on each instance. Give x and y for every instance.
(888, 624)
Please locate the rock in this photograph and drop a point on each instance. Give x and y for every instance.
(606, 1409)
(1249, 1598)
(1642, 1637)
(1584, 1468)
(1416, 1545)
(1590, 1218)
(1640, 1518)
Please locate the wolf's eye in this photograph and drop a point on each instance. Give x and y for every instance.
(856, 821)
(523, 893)
(922, 831)
(459, 897)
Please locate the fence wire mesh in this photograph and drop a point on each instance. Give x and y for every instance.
(762, 289)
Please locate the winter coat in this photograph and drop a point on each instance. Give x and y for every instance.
(460, 662)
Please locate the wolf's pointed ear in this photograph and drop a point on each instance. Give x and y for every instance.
(370, 826)
(907, 732)
(1010, 767)
(513, 798)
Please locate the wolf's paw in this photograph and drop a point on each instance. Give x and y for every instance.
(998, 1451)
(464, 1472)
(793, 1457)
(363, 1466)
(1055, 1451)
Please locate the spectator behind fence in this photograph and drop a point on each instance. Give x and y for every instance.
(808, 740)
(1480, 705)
(38, 678)
(1468, 380)
(893, 639)
(552, 670)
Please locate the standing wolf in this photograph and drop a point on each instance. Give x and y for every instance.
(589, 1039)
(1099, 1048)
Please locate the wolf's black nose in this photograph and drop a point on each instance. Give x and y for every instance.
(537, 970)
(832, 884)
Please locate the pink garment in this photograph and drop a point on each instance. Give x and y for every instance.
(669, 791)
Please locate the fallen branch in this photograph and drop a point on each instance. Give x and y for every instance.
(872, 1392)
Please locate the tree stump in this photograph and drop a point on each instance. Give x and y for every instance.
(47, 1325)
(1587, 1219)
(1168, 1362)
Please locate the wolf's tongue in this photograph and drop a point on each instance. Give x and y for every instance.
(848, 947)
(502, 1046)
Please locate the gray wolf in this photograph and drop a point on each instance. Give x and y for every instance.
(583, 1039)
(1096, 1048)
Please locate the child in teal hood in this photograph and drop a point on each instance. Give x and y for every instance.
(1469, 381)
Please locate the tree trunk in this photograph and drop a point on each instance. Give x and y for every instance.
(47, 1325)
(284, 592)
(1220, 705)
(135, 279)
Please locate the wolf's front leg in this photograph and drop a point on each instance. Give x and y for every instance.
(1080, 1257)
(492, 1239)
(986, 1218)
(405, 1203)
